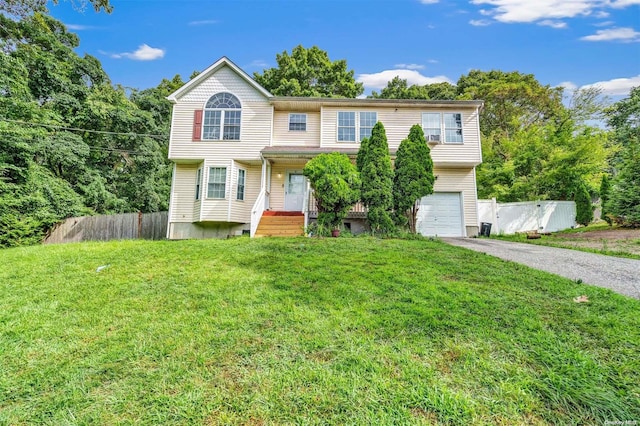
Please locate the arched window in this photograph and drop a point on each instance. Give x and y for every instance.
(222, 110)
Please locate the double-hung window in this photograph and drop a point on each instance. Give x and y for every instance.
(298, 122)
(353, 124)
(240, 184)
(198, 183)
(442, 127)
(217, 187)
(222, 117)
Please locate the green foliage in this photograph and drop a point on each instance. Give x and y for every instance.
(413, 177)
(374, 164)
(309, 72)
(23, 8)
(50, 172)
(624, 205)
(513, 101)
(624, 118)
(398, 88)
(584, 207)
(605, 195)
(336, 185)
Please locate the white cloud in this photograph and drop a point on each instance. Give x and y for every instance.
(616, 86)
(433, 61)
(514, 11)
(77, 27)
(604, 24)
(379, 80)
(410, 66)
(480, 22)
(614, 34)
(203, 22)
(553, 24)
(568, 86)
(257, 63)
(429, 1)
(144, 53)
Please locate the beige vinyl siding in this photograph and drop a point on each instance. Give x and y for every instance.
(223, 80)
(213, 209)
(284, 137)
(397, 124)
(255, 133)
(459, 180)
(183, 194)
(256, 121)
(241, 210)
(276, 197)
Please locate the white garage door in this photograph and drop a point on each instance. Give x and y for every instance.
(441, 214)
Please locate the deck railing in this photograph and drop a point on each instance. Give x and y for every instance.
(257, 210)
(358, 211)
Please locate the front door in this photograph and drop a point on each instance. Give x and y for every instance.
(294, 191)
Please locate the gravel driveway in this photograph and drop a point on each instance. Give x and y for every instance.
(618, 274)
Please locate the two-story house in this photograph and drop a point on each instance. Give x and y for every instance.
(238, 154)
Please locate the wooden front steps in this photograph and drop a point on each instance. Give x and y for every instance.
(281, 224)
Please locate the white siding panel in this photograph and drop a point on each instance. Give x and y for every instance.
(224, 80)
(241, 210)
(460, 180)
(183, 193)
(282, 135)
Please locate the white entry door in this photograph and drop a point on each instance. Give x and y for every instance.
(440, 214)
(294, 191)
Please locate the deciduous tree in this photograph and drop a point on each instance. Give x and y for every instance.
(309, 72)
(336, 184)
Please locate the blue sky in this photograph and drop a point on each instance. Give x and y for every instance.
(574, 43)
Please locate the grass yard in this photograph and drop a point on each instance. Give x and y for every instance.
(597, 238)
(306, 331)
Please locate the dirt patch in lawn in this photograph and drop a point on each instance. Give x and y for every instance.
(613, 240)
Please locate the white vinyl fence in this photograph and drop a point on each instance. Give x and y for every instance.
(541, 216)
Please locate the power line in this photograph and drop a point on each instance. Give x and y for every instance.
(103, 132)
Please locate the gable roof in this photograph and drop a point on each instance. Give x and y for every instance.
(222, 62)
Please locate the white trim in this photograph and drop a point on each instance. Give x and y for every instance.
(244, 189)
(357, 126)
(305, 122)
(173, 185)
(273, 109)
(230, 198)
(224, 61)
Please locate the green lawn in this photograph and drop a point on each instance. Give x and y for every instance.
(306, 331)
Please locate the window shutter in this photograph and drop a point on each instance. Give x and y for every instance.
(197, 125)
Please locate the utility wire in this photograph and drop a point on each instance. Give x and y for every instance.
(103, 132)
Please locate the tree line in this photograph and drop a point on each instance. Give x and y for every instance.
(73, 143)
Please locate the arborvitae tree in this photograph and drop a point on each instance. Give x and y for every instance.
(336, 185)
(413, 177)
(624, 205)
(374, 165)
(605, 193)
(584, 208)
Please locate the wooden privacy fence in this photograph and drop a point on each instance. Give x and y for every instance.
(147, 226)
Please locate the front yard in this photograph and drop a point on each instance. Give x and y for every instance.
(306, 331)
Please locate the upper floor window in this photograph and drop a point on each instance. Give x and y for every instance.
(222, 115)
(298, 122)
(442, 127)
(351, 124)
